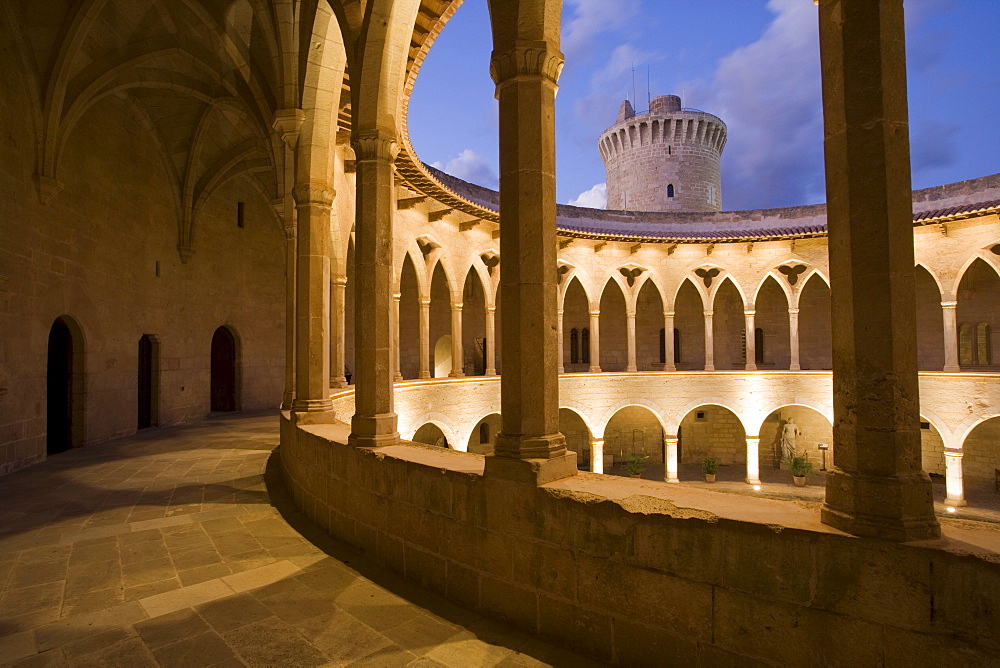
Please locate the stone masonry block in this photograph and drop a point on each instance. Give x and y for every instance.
(679, 606)
(763, 562)
(791, 634)
(689, 548)
(548, 568)
(585, 630)
(426, 569)
(515, 605)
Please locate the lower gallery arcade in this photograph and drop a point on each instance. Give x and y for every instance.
(456, 368)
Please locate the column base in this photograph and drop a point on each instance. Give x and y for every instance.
(424, 376)
(951, 368)
(286, 401)
(709, 367)
(338, 383)
(373, 431)
(312, 405)
(398, 377)
(457, 374)
(751, 367)
(753, 481)
(549, 446)
(898, 508)
(631, 369)
(304, 418)
(669, 478)
(794, 367)
(491, 372)
(531, 471)
(669, 367)
(594, 369)
(955, 503)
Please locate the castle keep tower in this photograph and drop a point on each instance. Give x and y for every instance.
(664, 160)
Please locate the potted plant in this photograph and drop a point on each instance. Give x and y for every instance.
(800, 468)
(710, 466)
(636, 464)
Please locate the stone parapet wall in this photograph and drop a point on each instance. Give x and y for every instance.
(638, 581)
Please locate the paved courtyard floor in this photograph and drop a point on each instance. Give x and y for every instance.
(164, 549)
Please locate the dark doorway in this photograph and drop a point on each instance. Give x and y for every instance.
(223, 370)
(148, 381)
(61, 384)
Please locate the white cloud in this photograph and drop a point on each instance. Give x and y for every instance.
(595, 198)
(768, 93)
(591, 18)
(472, 167)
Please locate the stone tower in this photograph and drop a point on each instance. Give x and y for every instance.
(666, 159)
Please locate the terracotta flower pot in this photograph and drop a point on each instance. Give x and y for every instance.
(709, 477)
(799, 480)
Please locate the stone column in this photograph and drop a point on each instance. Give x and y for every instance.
(313, 203)
(525, 73)
(670, 462)
(562, 342)
(491, 343)
(753, 460)
(597, 455)
(338, 289)
(290, 271)
(954, 478)
(424, 339)
(709, 342)
(751, 339)
(374, 421)
(457, 354)
(668, 341)
(595, 341)
(876, 486)
(793, 339)
(396, 367)
(949, 309)
(630, 336)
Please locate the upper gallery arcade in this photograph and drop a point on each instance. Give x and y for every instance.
(213, 205)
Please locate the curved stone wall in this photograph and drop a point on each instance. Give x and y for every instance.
(610, 567)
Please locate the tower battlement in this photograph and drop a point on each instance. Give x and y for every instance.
(664, 159)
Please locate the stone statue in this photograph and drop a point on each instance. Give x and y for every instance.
(789, 433)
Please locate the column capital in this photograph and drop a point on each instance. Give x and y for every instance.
(668, 314)
(526, 60)
(949, 304)
(287, 123)
(375, 146)
(456, 307)
(396, 296)
(491, 309)
(339, 281)
(750, 313)
(956, 454)
(629, 314)
(793, 311)
(424, 302)
(313, 194)
(708, 313)
(595, 314)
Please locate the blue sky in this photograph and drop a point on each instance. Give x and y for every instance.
(753, 63)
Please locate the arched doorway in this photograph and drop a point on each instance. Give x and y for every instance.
(689, 323)
(431, 434)
(572, 426)
(64, 387)
(649, 329)
(712, 431)
(728, 327)
(442, 356)
(815, 325)
(482, 441)
(148, 382)
(613, 332)
(773, 341)
(812, 430)
(224, 367)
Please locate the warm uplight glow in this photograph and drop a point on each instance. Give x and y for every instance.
(756, 488)
(950, 509)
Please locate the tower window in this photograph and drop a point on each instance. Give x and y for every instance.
(240, 212)
(670, 190)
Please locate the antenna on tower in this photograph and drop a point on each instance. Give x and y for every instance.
(634, 97)
(649, 94)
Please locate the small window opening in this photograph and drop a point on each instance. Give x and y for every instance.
(585, 346)
(677, 346)
(758, 342)
(663, 346)
(670, 190)
(484, 433)
(574, 346)
(925, 425)
(700, 415)
(240, 214)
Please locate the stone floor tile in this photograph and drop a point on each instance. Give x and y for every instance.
(342, 637)
(464, 649)
(92, 601)
(131, 653)
(31, 599)
(205, 649)
(421, 634)
(233, 612)
(143, 551)
(70, 629)
(203, 573)
(95, 642)
(140, 536)
(28, 575)
(92, 577)
(390, 656)
(195, 557)
(185, 597)
(171, 628)
(273, 643)
(49, 659)
(17, 646)
(144, 572)
(260, 577)
(150, 589)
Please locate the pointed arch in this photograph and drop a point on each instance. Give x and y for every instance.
(613, 331)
